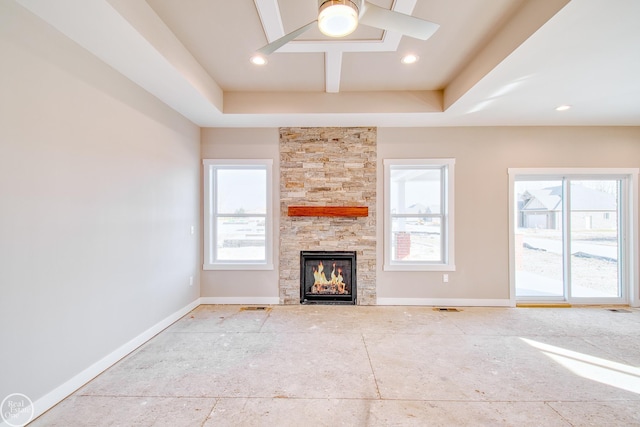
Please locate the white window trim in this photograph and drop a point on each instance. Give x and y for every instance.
(449, 215)
(630, 220)
(209, 228)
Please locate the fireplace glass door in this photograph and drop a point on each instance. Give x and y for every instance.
(327, 277)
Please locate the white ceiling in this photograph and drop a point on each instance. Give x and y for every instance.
(498, 62)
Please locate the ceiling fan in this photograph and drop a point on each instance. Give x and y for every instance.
(338, 18)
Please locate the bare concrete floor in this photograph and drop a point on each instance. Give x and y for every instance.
(373, 366)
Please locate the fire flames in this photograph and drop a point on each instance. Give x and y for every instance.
(323, 286)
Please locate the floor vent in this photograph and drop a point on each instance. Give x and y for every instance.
(259, 308)
(446, 309)
(619, 310)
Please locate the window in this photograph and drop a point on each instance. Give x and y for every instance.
(419, 214)
(237, 215)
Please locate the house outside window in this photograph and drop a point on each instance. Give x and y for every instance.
(238, 215)
(419, 232)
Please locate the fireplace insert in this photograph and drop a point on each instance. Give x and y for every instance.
(327, 277)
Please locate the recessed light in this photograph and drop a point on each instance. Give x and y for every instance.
(409, 59)
(258, 60)
(563, 108)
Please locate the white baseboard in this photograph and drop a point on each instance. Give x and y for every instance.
(440, 302)
(55, 396)
(240, 300)
(446, 302)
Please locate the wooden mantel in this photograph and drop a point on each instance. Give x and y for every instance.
(333, 211)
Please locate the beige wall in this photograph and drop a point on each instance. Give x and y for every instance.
(99, 187)
(483, 156)
(244, 286)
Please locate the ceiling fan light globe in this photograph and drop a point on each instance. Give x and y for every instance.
(338, 18)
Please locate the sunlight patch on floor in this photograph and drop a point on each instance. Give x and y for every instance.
(593, 368)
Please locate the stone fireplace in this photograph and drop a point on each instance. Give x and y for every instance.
(332, 168)
(328, 277)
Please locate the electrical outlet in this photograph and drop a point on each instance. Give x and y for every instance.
(193, 229)
(190, 280)
(445, 278)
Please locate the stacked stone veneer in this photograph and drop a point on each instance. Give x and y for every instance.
(327, 167)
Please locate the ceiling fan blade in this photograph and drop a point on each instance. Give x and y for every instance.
(277, 44)
(384, 19)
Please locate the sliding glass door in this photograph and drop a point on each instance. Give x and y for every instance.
(595, 239)
(539, 240)
(568, 241)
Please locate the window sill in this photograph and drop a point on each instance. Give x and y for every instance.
(238, 267)
(419, 267)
